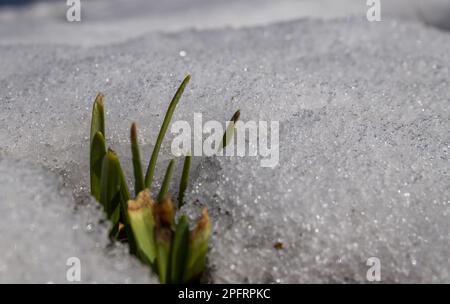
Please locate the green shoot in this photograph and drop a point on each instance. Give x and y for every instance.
(98, 117)
(140, 214)
(166, 182)
(175, 253)
(197, 249)
(179, 250)
(184, 180)
(97, 144)
(229, 132)
(162, 132)
(137, 166)
(98, 152)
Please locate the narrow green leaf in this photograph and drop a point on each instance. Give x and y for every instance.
(229, 132)
(179, 250)
(110, 184)
(98, 151)
(162, 259)
(114, 196)
(184, 180)
(123, 205)
(137, 166)
(141, 219)
(197, 249)
(98, 117)
(162, 132)
(114, 191)
(166, 182)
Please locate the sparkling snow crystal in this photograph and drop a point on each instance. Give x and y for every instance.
(364, 112)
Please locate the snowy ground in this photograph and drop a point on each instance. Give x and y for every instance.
(364, 112)
(42, 233)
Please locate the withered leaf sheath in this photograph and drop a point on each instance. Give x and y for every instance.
(164, 217)
(140, 214)
(197, 249)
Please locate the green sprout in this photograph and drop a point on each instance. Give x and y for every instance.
(175, 253)
(229, 132)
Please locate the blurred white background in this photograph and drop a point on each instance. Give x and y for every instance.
(105, 21)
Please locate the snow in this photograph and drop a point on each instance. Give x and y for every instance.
(364, 142)
(43, 228)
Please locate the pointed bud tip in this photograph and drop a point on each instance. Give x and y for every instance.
(236, 116)
(184, 218)
(133, 132)
(99, 99)
(204, 219)
(111, 154)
